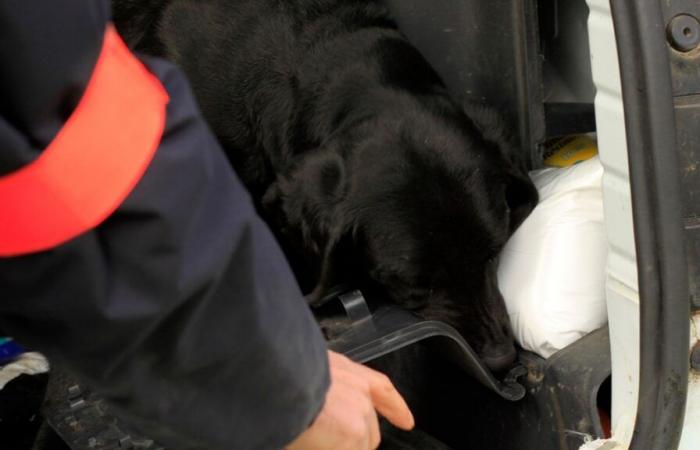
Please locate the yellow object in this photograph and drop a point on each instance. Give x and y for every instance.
(570, 150)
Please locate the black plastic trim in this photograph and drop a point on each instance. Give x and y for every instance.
(390, 328)
(656, 198)
(563, 119)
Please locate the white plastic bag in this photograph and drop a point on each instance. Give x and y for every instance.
(552, 271)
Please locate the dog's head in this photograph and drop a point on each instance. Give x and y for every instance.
(423, 208)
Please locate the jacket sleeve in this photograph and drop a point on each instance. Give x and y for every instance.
(179, 308)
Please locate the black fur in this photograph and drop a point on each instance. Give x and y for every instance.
(353, 149)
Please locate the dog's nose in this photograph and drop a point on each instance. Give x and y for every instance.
(498, 357)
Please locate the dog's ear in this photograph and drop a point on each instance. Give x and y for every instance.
(308, 195)
(308, 204)
(336, 267)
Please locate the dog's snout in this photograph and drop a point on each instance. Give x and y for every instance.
(498, 357)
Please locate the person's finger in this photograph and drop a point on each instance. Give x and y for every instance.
(387, 400)
(339, 361)
(354, 379)
(390, 404)
(375, 436)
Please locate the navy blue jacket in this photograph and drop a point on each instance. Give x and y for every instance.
(179, 308)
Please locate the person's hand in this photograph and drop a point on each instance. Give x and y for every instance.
(348, 419)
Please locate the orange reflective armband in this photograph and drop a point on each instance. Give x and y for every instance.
(94, 161)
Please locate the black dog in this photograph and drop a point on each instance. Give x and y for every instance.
(353, 149)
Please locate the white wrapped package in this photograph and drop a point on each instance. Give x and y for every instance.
(552, 271)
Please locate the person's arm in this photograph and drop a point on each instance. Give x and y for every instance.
(179, 307)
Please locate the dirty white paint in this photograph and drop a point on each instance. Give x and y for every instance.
(621, 436)
(621, 286)
(690, 440)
